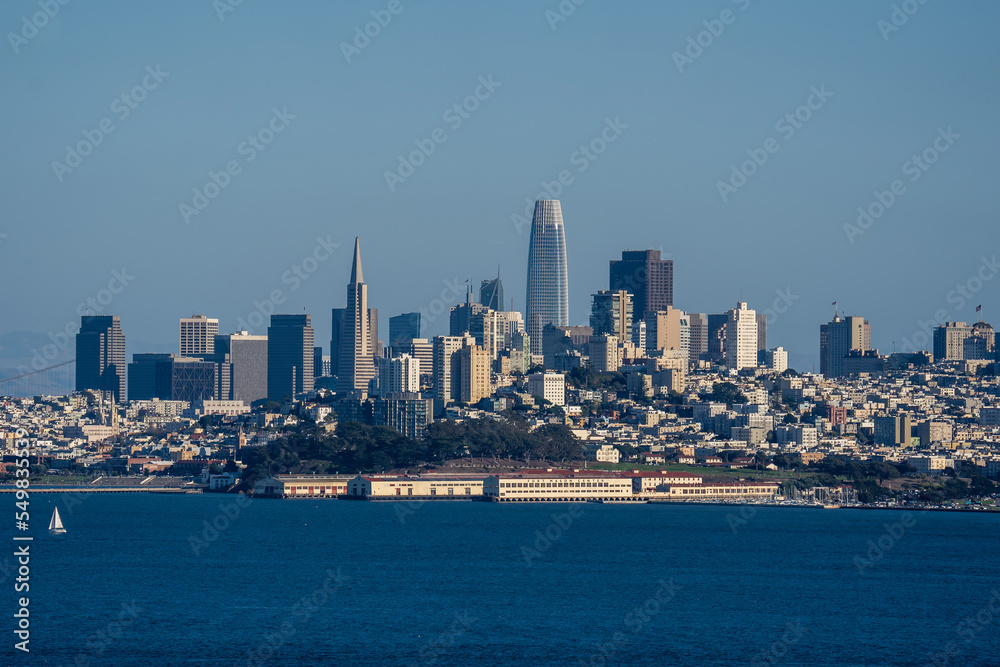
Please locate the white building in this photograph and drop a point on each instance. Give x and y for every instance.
(605, 354)
(776, 360)
(550, 386)
(399, 375)
(557, 485)
(198, 335)
(741, 337)
(607, 454)
(930, 465)
(226, 408)
(387, 486)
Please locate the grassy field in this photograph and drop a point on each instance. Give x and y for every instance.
(703, 470)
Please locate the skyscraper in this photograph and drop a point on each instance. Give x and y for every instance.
(402, 329)
(491, 293)
(100, 355)
(547, 298)
(242, 360)
(198, 335)
(611, 314)
(357, 357)
(741, 337)
(837, 338)
(289, 356)
(648, 278)
(698, 323)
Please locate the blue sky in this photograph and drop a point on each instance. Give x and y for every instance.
(889, 95)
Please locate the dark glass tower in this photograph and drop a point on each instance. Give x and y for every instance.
(648, 278)
(100, 355)
(403, 329)
(289, 356)
(491, 293)
(547, 299)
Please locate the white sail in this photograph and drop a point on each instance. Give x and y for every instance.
(55, 523)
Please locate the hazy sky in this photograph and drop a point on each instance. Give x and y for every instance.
(330, 113)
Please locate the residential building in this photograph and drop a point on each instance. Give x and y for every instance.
(399, 375)
(611, 314)
(550, 386)
(741, 337)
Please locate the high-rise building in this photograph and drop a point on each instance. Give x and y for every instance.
(716, 336)
(491, 293)
(649, 279)
(605, 354)
(422, 350)
(357, 356)
(761, 332)
(402, 329)
(149, 377)
(242, 360)
(289, 356)
(949, 341)
(398, 375)
(192, 379)
(447, 369)
(408, 414)
(839, 337)
(611, 314)
(550, 386)
(741, 337)
(318, 362)
(198, 335)
(338, 318)
(698, 323)
(669, 329)
(100, 355)
(547, 295)
(475, 372)
(774, 360)
(895, 430)
(981, 343)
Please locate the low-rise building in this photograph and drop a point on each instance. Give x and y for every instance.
(379, 486)
(302, 486)
(557, 486)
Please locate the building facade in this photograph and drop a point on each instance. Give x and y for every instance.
(741, 337)
(100, 355)
(839, 337)
(547, 294)
(197, 335)
(289, 356)
(647, 277)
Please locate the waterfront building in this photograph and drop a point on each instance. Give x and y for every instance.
(385, 486)
(547, 294)
(557, 486)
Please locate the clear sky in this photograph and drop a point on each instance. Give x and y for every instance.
(676, 118)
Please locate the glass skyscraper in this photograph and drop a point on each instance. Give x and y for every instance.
(100, 355)
(547, 298)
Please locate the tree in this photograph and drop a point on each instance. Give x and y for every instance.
(215, 469)
(231, 466)
(728, 393)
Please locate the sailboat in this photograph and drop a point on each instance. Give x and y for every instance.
(56, 524)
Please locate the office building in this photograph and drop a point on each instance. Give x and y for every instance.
(611, 314)
(198, 335)
(839, 337)
(491, 293)
(357, 356)
(649, 279)
(100, 355)
(192, 379)
(698, 338)
(149, 377)
(407, 413)
(893, 431)
(447, 369)
(402, 329)
(605, 354)
(981, 342)
(547, 294)
(475, 372)
(242, 360)
(168, 377)
(741, 337)
(289, 356)
(761, 332)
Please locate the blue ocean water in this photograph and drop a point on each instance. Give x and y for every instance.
(141, 578)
